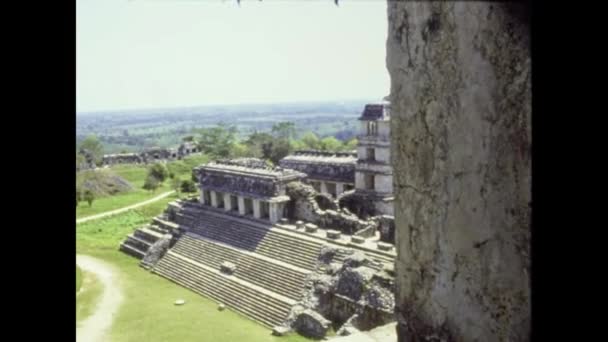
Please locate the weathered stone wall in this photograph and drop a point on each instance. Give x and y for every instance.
(303, 206)
(461, 111)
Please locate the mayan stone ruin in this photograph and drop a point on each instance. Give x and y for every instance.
(278, 245)
(152, 155)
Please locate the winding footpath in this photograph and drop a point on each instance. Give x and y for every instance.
(95, 327)
(122, 210)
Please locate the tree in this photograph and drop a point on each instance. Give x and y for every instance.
(217, 141)
(89, 196)
(260, 145)
(330, 144)
(189, 138)
(311, 141)
(175, 184)
(351, 144)
(239, 150)
(188, 186)
(92, 148)
(151, 183)
(284, 130)
(171, 175)
(158, 171)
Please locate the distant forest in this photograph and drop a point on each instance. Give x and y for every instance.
(132, 131)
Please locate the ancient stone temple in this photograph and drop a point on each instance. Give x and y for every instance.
(239, 186)
(152, 155)
(257, 241)
(332, 173)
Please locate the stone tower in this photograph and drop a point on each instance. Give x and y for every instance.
(373, 172)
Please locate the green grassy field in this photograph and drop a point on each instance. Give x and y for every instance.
(78, 278)
(136, 175)
(87, 299)
(148, 313)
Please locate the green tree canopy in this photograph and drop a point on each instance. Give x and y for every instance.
(93, 147)
(158, 171)
(217, 141)
(188, 186)
(311, 141)
(89, 196)
(151, 183)
(330, 144)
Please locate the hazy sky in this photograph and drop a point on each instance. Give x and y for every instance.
(172, 53)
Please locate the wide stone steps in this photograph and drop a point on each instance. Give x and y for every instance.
(147, 234)
(133, 251)
(273, 276)
(300, 252)
(265, 308)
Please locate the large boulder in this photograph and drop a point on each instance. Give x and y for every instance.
(311, 324)
(156, 251)
(353, 282)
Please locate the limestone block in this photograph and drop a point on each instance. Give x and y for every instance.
(333, 234)
(383, 246)
(227, 267)
(299, 225)
(357, 239)
(311, 228)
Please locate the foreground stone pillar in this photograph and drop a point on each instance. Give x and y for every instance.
(227, 202)
(257, 213)
(241, 205)
(461, 116)
(214, 199)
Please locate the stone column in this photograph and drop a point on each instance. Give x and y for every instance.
(202, 199)
(241, 205)
(323, 187)
(213, 198)
(227, 204)
(339, 188)
(273, 212)
(257, 213)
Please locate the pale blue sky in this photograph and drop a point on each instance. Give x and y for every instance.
(173, 53)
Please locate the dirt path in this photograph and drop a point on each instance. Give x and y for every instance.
(95, 327)
(121, 210)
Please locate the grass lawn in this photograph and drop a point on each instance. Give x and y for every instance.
(148, 313)
(136, 175)
(89, 296)
(78, 278)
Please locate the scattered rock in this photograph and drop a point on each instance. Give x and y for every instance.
(221, 307)
(311, 324)
(280, 330)
(227, 267)
(156, 251)
(180, 302)
(356, 259)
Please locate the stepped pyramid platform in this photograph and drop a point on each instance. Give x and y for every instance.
(270, 263)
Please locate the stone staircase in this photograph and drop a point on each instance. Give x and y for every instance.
(271, 264)
(253, 301)
(278, 277)
(138, 243)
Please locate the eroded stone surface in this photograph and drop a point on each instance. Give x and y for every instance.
(461, 102)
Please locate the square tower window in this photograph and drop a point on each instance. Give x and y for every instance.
(372, 128)
(371, 154)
